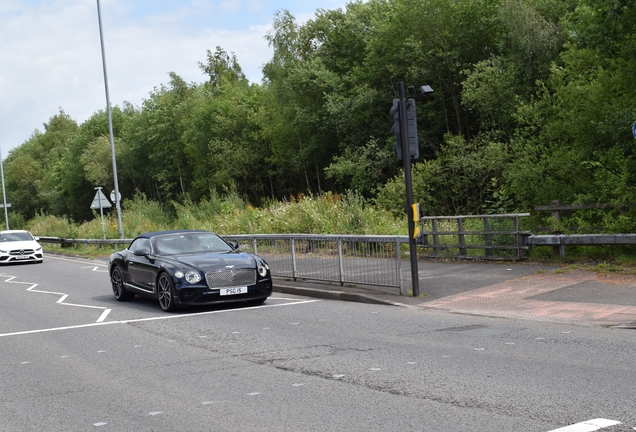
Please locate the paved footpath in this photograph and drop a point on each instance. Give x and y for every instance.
(522, 291)
(577, 297)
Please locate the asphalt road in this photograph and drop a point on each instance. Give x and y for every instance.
(74, 359)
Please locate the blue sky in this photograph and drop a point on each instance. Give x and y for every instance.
(50, 54)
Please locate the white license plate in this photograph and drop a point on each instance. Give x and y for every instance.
(22, 257)
(233, 291)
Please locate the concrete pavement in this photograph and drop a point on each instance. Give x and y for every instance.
(512, 290)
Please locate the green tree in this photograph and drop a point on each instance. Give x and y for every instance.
(30, 183)
(74, 182)
(575, 143)
(458, 181)
(155, 141)
(224, 143)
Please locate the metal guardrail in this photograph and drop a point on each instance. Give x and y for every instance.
(71, 242)
(359, 259)
(560, 241)
(342, 259)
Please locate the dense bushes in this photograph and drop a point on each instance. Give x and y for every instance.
(533, 102)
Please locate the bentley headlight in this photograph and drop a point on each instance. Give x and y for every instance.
(193, 277)
(178, 274)
(262, 270)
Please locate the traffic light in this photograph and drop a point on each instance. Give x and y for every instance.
(411, 119)
(414, 148)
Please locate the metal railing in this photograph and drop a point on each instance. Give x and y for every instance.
(72, 242)
(366, 259)
(343, 259)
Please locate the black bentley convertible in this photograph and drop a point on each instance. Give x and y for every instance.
(188, 267)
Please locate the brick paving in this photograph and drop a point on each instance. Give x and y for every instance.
(513, 299)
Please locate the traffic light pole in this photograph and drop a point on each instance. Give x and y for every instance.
(406, 158)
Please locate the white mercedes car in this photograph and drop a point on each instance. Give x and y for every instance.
(19, 246)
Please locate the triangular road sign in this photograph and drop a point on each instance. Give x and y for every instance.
(99, 196)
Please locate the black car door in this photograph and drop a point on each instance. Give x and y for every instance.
(142, 270)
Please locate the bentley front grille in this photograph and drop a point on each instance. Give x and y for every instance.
(231, 278)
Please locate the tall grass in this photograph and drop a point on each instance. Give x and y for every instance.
(323, 214)
(229, 214)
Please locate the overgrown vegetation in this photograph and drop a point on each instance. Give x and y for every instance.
(230, 214)
(533, 102)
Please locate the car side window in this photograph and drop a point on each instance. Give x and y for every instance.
(133, 245)
(141, 243)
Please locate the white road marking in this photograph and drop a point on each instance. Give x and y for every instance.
(84, 306)
(75, 260)
(103, 316)
(156, 318)
(31, 288)
(588, 426)
(96, 269)
(283, 298)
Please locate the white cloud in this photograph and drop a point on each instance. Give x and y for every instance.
(50, 52)
(255, 5)
(231, 6)
(51, 58)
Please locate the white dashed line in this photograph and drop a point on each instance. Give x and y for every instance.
(588, 426)
(103, 316)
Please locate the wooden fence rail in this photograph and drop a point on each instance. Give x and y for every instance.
(505, 237)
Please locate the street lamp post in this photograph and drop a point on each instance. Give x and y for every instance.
(4, 194)
(110, 126)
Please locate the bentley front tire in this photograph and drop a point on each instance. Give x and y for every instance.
(165, 293)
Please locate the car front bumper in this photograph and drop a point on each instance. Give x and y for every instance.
(202, 295)
(15, 257)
